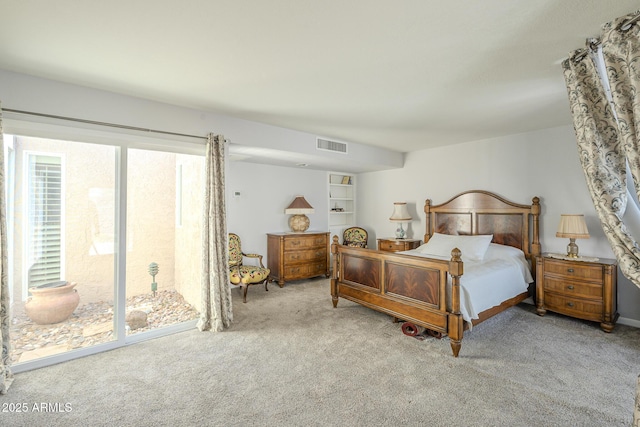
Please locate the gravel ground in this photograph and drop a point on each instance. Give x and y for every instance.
(92, 324)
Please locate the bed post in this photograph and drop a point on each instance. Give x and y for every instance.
(427, 211)
(455, 321)
(535, 244)
(334, 271)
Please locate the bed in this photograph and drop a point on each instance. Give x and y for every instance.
(430, 290)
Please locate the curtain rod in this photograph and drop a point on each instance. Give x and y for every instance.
(626, 25)
(94, 122)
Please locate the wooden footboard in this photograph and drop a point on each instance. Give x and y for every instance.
(405, 287)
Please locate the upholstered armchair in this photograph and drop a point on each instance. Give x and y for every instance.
(245, 275)
(355, 236)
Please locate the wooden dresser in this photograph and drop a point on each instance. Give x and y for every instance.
(586, 290)
(396, 245)
(295, 256)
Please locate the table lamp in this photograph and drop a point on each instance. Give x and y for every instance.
(400, 215)
(299, 222)
(572, 227)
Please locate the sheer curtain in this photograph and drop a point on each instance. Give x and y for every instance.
(216, 312)
(6, 377)
(607, 128)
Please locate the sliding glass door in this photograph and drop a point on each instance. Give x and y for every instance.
(104, 245)
(164, 223)
(61, 217)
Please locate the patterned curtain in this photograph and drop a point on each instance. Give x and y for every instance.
(606, 131)
(6, 377)
(216, 310)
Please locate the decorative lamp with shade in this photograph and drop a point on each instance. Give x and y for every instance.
(400, 215)
(572, 227)
(299, 222)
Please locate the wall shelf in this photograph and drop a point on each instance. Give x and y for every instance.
(341, 196)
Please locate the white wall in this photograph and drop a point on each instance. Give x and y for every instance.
(265, 192)
(517, 167)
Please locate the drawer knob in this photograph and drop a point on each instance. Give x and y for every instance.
(570, 304)
(570, 270)
(570, 287)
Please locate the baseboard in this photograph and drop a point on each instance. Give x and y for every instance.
(629, 322)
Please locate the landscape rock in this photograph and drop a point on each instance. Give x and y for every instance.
(137, 319)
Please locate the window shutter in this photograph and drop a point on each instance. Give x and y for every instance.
(45, 209)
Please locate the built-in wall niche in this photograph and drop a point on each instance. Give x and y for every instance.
(342, 202)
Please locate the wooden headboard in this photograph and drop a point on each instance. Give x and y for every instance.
(481, 212)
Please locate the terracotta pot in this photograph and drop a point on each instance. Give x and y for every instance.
(52, 304)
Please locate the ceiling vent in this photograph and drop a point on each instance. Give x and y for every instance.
(336, 147)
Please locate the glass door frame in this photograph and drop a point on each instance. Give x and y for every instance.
(121, 141)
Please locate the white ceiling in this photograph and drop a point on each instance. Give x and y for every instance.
(404, 75)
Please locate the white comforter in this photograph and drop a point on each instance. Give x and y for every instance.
(502, 274)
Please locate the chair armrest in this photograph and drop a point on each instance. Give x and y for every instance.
(254, 256)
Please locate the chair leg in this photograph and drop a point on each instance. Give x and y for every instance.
(246, 288)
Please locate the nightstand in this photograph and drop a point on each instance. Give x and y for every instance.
(396, 245)
(582, 289)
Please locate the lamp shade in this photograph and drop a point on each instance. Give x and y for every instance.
(299, 206)
(400, 213)
(572, 227)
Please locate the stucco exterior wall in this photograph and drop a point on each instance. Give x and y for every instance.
(151, 200)
(86, 169)
(188, 243)
(89, 219)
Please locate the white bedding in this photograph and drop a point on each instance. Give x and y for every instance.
(501, 275)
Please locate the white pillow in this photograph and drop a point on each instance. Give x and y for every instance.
(502, 251)
(473, 248)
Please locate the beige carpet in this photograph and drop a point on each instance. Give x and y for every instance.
(290, 359)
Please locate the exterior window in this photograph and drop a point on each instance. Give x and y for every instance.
(44, 189)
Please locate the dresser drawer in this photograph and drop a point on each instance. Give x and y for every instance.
(395, 245)
(576, 270)
(573, 289)
(305, 243)
(294, 272)
(390, 246)
(319, 254)
(576, 307)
